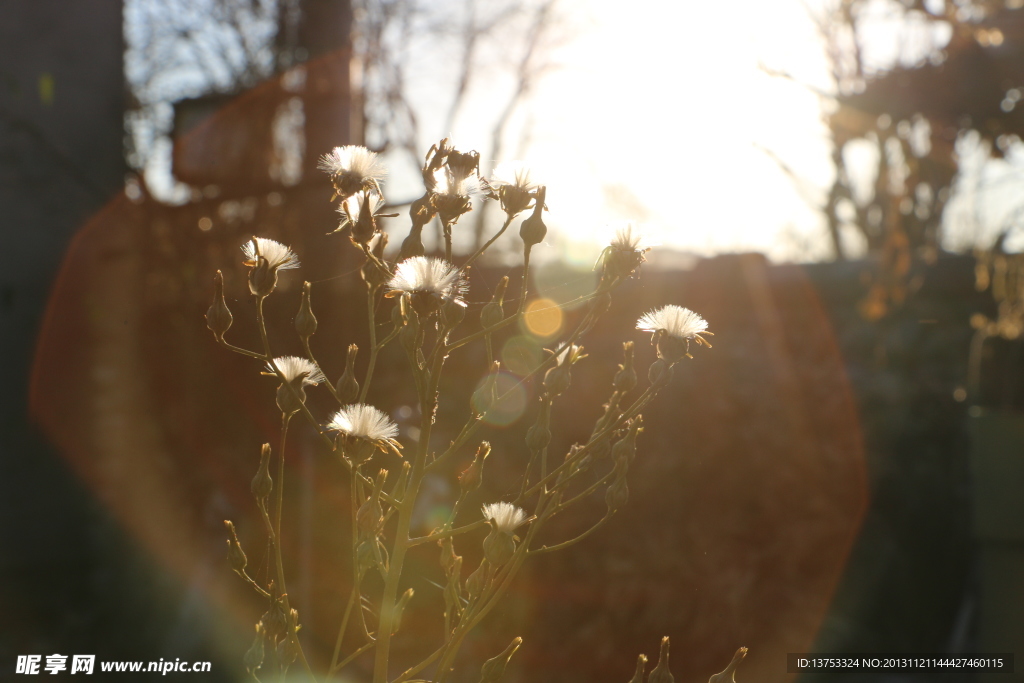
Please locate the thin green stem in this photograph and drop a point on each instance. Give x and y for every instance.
(279, 494)
(344, 624)
(371, 309)
(476, 254)
(571, 541)
(343, 663)
(438, 535)
(309, 354)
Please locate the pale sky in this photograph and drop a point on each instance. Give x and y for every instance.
(666, 107)
(659, 115)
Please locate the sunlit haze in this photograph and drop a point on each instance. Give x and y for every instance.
(662, 115)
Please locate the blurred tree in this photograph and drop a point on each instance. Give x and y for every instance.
(918, 86)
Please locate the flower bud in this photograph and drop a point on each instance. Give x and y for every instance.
(398, 493)
(539, 435)
(492, 313)
(358, 451)
(659, 373)
(287, 652)
(473, 476)
(557, 379)
(403, 602)
(365, 226)
(499, 546)
(236, 557)
(728, 675)
(625, 378)
(274, 619)
(477, 581)
(253, 658)
(452, 313)
(624, 449)
(671, 349)
(660, 673)
(638, 677)
(421, 212)
(369, 516)
(262, 278)
(305, 321)
(348, 387)
(617, 494)
(494, 668)
(262, 484)
(289, 402)
(218, 316)
(533, 229)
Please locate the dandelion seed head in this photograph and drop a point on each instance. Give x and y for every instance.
(675, 321)
(505, 516)
(428, 275)
(364, 422)
(278, 256)
(353, 160)
(293, 367)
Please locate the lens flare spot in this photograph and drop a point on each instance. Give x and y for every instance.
(521, 355)
(500, 398)
(543, 318)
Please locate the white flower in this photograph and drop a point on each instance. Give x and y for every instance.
(294, 367)
(675, 321)
(427, 275)
(506, 517)
(511, 185)
(353, 168)
(364, 422)
(277, 255)
(353, 160)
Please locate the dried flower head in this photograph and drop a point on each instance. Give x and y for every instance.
(510, 184)
(629, 237)
(674, 327)
(452, 192)
(361, 212)
(461, 164)
(296, 367)
(625, 253)
(428, 281)
(505, 517)
(364, 428)
(353, 168)
(266, 257)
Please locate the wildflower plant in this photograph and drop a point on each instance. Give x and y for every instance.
(424, 308)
